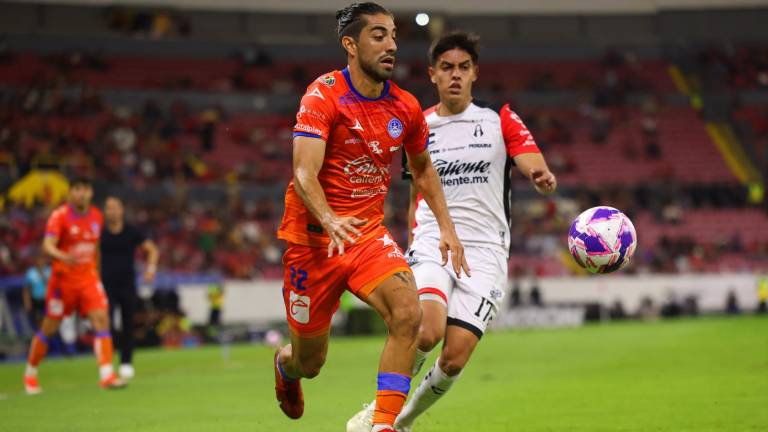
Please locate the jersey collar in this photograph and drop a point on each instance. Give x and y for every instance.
(384, 92)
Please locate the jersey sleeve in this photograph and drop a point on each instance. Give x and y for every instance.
(316, 113)
(55, 225)
(517, 138)
(415, 142)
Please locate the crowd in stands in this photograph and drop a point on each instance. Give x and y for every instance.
(60, 122)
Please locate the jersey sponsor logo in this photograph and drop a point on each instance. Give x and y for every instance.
(481, 145)
(357, 126)
(459, 173)
(308, 128)
(364, 171)
(369, 192)
(299, 307)
(329, 80)
(446, 168)
(353, 141)
(74, 230)
(375, 149)
(310, 112)
(393, 149)
(395, 128)
(315, 92)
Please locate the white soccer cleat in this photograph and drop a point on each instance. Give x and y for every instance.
(31, 387)
(363, 420)
(126, 371)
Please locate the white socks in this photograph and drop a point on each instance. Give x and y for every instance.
(105, 371)
(421, 356)
(434, 385)
(31, 371)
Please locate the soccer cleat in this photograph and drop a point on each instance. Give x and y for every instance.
(113, 383)
(363, 420)
(31, 385)
(126, 371)
(288, 393)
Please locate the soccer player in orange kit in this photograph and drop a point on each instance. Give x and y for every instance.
(349, 125)
(72, 241)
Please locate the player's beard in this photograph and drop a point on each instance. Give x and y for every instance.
(374, 71)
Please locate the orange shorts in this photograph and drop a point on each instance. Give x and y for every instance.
(314, 283)
(66, 294)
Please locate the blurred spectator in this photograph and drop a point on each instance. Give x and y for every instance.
(35, 286)
(732, 303)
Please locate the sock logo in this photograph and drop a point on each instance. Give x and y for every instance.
(299, 308)
(437, 390)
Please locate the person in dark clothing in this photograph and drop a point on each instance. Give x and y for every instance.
(118, 246)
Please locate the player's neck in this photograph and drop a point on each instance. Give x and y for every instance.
(364, 84)
(115, 226)
(80, 209)
(453, 107)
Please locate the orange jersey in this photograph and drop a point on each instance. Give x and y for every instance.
(78, 235)
(362, 135)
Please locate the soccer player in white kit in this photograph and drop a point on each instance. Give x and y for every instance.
(473, 148)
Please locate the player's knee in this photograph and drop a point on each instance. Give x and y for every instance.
(452, 365)
(428, 338)
(405, 319)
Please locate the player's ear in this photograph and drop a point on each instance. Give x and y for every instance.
(431, 71)
(350, 45)
(477, 73)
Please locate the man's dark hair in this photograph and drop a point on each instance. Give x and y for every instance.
(462, 40)
(350, 21)
(114, 197)
(80, 181)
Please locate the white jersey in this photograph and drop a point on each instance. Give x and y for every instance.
(470, 152)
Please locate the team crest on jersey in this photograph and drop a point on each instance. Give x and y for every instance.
(329, 80)
(395, 128)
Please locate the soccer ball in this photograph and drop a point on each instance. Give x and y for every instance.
(602, 240)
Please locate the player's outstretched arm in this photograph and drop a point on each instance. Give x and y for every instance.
(308, 156)
(427, 181)
(534, 167)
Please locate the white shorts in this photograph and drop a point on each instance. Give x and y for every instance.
(472, 302)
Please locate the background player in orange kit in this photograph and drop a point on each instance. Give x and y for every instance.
(348, 127)
(72, 240)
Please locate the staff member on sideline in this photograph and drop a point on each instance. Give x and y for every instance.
(118, 246)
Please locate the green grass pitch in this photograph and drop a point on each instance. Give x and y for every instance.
(690, 375)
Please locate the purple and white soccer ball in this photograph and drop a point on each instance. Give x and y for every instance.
(602, 240)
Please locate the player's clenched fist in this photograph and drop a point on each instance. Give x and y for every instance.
(341, 229)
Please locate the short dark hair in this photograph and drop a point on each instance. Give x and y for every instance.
(114, 197)
(349, 20)
(80, 181)
(462, 40)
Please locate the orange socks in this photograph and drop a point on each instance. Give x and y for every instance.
(36, 352)
(102, 347)
(390, 397)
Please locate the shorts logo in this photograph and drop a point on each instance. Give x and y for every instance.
(55, 307)
(496, 294)
(395, 128)
(329, 80)
(299, 308)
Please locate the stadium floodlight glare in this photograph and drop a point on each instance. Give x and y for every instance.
(422, 19)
